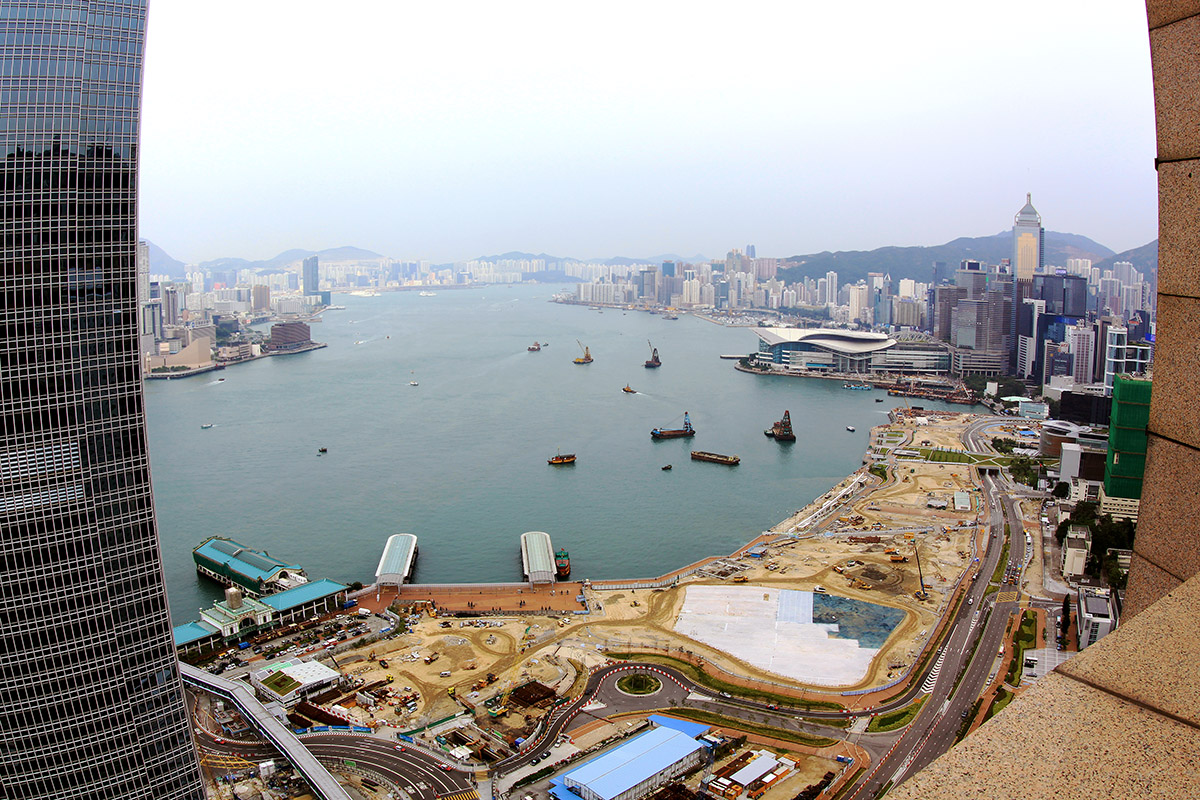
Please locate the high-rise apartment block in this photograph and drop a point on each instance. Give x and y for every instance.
(91, 704)
(310, 275)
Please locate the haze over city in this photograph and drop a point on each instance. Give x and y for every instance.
(444, 134)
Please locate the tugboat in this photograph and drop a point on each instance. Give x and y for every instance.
(781, 431)
(629, 389)
(533, 348)
(560, 459)
(675, 433)
(587, 354)
(653, 362)
(562, 563)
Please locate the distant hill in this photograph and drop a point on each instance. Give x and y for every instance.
(615, 261)
(292, 258)
(162, 264)
(916, 262)
(1144, 259)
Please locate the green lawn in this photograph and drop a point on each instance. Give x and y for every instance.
(896, 719)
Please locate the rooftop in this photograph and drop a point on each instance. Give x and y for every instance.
(303, 594)
(848, 342)
(397, 556)
(191, 632)
(537, 553)
(633, 762)
(253, 564)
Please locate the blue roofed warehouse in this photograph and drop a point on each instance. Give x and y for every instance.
(636, 768)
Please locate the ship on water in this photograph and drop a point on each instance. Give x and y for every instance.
(586, 358)
(562, 563)
(675, 433)
(861, 387)
(629, 389)
(533, 348)
(781, 431)
(716, 458)
(653, 362)
(561, 458)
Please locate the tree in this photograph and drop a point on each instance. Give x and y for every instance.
(354, 587)
(1066, 611)
(1011, 387)
(1062, 490)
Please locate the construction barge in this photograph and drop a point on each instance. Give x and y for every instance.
(675, 433)
(716, 458)
(781, 431)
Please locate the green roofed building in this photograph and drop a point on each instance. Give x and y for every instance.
(1127, 438)
(255, 572)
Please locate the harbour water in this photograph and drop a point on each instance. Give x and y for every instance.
(460, 459)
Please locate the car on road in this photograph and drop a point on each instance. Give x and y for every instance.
(773, 706)
(535, 761)
(726, 694)
(218, 740)
(546, 754)
(401, 748)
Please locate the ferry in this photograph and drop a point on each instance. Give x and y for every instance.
(562, 563)
(716, 458)
(533, 348)
(561, 458)
(675, 433)
(861, 387)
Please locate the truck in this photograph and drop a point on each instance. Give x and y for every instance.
(349, 604)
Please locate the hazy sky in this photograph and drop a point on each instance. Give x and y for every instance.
(446, 131)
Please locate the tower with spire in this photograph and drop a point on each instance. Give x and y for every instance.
(1028, 257)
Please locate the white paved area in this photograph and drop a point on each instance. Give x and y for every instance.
(772, 630)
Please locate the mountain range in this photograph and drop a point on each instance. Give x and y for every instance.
(850, 265)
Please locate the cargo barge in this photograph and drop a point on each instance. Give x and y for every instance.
(781, 431)
(675, 433)
(716, 458)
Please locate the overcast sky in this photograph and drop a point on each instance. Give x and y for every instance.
(446, 131)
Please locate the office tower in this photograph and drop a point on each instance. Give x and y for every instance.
(1081, 342)
(310, 275)
(751, 251)
(831, 288)
(91, 704)
(1028, 256)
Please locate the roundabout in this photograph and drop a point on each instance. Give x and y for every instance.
(639, 684)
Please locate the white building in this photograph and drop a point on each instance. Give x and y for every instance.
(1097, 615)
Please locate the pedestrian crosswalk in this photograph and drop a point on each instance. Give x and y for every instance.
(470, 794)
(1007, 597)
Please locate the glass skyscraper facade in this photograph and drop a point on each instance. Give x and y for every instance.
(91, 704)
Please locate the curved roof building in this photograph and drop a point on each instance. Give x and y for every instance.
(395, 565)
(822, 349)
(537, 557)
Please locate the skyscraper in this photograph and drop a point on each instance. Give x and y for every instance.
(310, 274)
(1029, 254)
(91, 705)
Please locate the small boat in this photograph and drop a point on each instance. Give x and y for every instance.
(667, 467)
(322, 449)
(220, 380)
(653, 362)
(716, 458)
(206, 426)
(562, 563)
(675, 433)
(586, 358)
(426, 294)
(850, 428)
(781, 431)
(533, 348)
(545, 344)
(561, 458)
(878, 399)
(629, 389)
(413, 383)
(861, 387)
